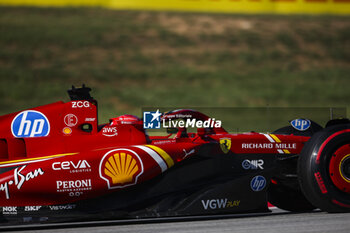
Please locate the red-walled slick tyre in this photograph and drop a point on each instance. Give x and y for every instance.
(324, 169)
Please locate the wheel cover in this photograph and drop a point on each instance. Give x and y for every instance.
(339, 168)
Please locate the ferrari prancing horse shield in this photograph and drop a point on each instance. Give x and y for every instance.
(225, 144)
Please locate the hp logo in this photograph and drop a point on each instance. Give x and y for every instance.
(301, 124)
(258, 183)
(29, 124)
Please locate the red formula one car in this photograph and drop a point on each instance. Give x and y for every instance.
(57, 164)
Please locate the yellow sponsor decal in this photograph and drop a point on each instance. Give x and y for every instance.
(275, 138)
(169, 161)
(226, 6)
(56, 2)
(37, 158)
(278, 140)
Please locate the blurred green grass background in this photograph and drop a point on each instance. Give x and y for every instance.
(133, 59)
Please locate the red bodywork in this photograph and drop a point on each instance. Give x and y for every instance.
(79, 159)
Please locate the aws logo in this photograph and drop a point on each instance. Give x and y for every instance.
(120, 168)
(110, 131)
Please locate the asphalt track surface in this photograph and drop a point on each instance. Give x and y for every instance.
(277, 221)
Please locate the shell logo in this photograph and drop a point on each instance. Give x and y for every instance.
(120, 168)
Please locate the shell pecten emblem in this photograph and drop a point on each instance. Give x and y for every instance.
(120, 168)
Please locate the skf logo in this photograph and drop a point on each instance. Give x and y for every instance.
(32, 208)
(219, 204)
(253, 164)
(29, 124)
(120, 168)
(300, 124)
(225, 144)
(151, 120)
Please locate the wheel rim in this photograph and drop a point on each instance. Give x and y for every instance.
(339, 168)
(345, 168)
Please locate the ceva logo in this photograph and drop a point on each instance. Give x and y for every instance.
(300, 124)
(67, 165)
(29, 124)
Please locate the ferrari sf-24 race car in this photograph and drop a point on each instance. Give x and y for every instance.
(58, 164)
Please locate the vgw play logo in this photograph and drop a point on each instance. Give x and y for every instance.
(29, 124)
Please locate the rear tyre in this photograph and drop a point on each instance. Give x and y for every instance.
(324, 169)
(288, 199)
(291, 197)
